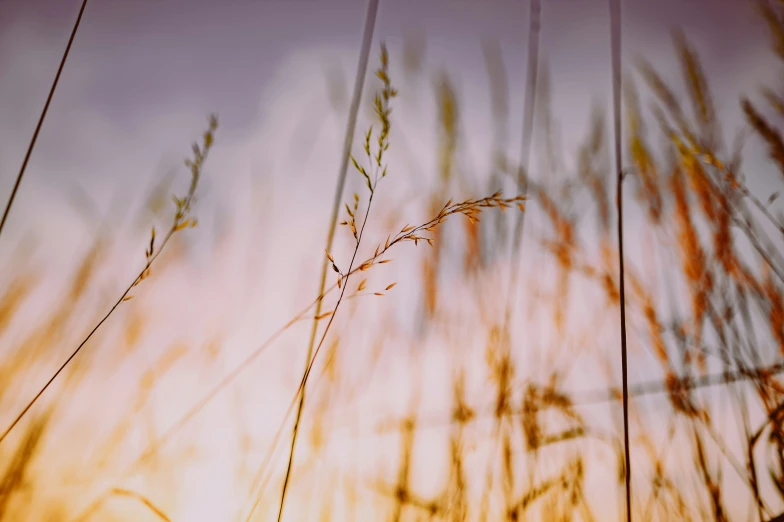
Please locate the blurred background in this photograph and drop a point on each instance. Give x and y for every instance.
(485, 384)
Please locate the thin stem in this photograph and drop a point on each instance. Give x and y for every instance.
(41, 118)
(179, 222)
(311, 360)
(81, 345)
(602, 396)
(615, 44)
(367, 37)
(529, 109)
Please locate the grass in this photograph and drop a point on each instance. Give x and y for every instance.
(481, 418)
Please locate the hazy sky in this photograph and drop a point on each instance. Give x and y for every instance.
(147, 72)
(210, 55)
(137, 61)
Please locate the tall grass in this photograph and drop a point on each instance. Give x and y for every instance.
(478, 416)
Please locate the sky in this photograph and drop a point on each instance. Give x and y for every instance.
(143, 75)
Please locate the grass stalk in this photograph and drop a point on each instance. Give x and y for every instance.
(364, 56)
(41, 118)
(615, 45)
(181, 221)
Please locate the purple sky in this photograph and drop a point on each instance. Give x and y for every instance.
(217, 55)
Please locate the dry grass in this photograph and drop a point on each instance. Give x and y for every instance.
(505, 439)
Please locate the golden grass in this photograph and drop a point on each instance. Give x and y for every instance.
(516, 443)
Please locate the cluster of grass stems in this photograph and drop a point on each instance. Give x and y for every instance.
(712, 331)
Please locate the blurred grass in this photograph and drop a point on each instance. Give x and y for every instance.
(457, 418)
